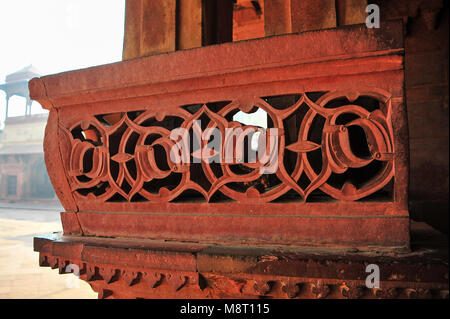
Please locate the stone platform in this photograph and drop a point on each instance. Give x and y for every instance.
(127, 268)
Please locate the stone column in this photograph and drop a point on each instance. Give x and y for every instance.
(189, 24)
(149, 28)
(159, 26)
(7, 106)
(290, 16)
(277, 17)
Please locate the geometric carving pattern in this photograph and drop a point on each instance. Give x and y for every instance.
(338, 142)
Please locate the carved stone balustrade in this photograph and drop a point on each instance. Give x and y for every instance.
(341, 143)
(334, 102)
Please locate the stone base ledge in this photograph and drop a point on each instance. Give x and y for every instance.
(127, 268)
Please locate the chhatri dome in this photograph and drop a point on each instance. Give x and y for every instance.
(17, 84)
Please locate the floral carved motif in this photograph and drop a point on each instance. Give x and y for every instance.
(128, 156)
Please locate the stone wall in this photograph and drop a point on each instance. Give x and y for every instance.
(427, 81)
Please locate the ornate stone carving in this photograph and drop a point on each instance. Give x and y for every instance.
(152, 283)
(109, 274)
(320, 289)
(335, 126)
(352, 290)
(153, 278)
(119, 157)
(262, 287)
(334, 138)
(389, 293)
(291, 288)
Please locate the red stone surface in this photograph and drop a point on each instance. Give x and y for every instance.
(102, 117)
(119, 268)
(426, 43)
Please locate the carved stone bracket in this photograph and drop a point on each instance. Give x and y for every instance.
(151, 283)
(278, 277)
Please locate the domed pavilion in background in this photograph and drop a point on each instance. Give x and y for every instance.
(22, 169)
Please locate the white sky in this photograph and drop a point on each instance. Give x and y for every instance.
(57, 36)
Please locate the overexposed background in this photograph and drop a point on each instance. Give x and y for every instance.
(56, 36)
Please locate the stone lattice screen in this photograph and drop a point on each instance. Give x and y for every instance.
(335, 112)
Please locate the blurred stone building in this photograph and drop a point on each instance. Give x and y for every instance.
(23, 175)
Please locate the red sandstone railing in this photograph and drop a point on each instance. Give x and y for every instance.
(334, 101)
